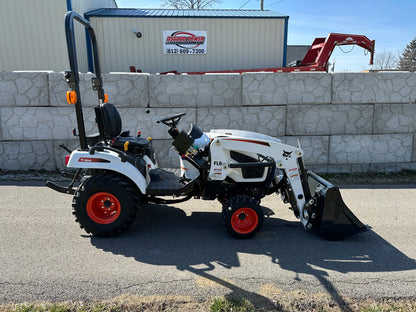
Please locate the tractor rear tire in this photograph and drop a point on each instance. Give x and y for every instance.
(105, 205)
(242, 216)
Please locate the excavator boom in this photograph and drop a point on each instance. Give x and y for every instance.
(318, 55)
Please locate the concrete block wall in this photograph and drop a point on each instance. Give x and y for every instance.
(345, 122)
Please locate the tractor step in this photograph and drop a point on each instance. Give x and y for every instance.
(165, 183)
(59, 188)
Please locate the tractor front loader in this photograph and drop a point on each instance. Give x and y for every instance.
(118, 172)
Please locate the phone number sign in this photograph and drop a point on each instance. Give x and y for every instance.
(184, 42)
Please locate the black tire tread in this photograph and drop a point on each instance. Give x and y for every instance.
(236, 202)
(110, 181)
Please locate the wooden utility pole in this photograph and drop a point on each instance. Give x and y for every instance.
(261, 4)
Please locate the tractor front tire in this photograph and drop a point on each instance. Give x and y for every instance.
(105, 205)
(242, 216)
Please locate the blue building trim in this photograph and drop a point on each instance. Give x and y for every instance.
(69, 5)
(89, 47)
(285, 42)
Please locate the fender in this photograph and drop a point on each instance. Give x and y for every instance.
(110, 161)
(241, 133)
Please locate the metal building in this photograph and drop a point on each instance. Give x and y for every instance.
(158, 40)
(32, 33)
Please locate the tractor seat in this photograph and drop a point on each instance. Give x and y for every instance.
(111, 121)
(109, 125)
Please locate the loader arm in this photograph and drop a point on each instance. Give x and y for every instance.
(287, 158)
(315, 202)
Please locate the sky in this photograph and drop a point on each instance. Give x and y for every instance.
(391, 23)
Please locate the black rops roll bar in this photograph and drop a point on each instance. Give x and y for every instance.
(72, 76)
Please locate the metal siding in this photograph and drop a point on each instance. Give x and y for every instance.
(232, 43)
(32, 35)
(81, 7)
(89, 5)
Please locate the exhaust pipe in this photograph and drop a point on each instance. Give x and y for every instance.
(334, 219)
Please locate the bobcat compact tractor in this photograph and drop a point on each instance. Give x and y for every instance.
(118, 172)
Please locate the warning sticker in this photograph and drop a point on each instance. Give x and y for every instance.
(294, 174)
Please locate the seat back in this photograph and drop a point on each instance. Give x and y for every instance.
(108, 120)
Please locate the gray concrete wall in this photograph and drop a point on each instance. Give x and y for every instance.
(345, 122)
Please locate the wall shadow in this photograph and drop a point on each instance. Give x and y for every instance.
(165, 235)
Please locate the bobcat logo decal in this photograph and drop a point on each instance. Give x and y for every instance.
(287, 155)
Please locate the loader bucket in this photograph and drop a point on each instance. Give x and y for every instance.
(334, 220)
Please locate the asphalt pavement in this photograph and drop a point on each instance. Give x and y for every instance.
(182, 249)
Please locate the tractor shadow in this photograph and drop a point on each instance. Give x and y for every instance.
(165, 235)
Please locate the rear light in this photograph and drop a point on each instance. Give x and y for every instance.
(67, 159)
(71, 97)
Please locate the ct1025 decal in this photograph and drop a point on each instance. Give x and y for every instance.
(185, 42)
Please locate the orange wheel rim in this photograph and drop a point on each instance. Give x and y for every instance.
(103, 208)
(244, 220)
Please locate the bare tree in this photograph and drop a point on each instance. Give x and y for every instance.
(385, 60)
(190, 4)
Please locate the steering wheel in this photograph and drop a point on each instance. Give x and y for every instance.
(172, 121)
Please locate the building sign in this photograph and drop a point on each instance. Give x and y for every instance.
(184, 42)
